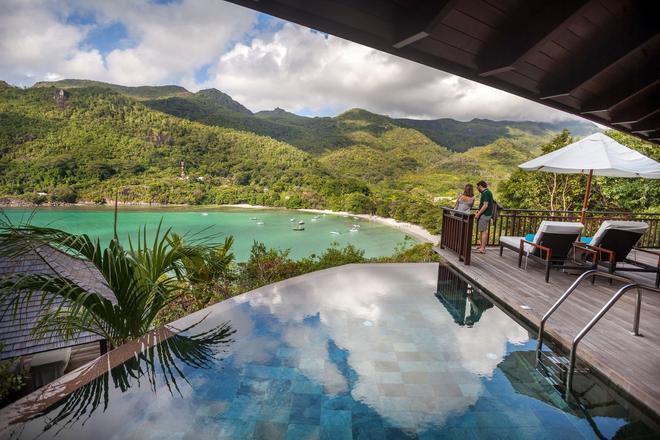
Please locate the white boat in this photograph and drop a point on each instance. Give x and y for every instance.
(292, 220)
(356, 226)
(301, 222)
(353, 230)
(254, 218)
(335, 232)
(260, 222)
(299, 228)
(205, 213)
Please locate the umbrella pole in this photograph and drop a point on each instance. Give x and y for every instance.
(583, 217)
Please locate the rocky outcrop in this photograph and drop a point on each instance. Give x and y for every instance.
(61, 98)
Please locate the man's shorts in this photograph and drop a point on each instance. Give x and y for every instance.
(483, 223)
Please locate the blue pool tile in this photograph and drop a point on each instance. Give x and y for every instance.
(335, 418)
(306, 409)
(306, 387)
(400, 434)
(448, 434)
(231, 429)
(297, 431)
(342, 402)
(336, 425)
(369, 428)
(270, 431)
(275, 414)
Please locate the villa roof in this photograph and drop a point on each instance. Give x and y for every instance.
(599, 59)
(16, 334)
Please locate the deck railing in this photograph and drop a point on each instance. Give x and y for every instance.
(457, 232)
(519, 222)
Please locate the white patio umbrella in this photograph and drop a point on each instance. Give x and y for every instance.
(598, 155)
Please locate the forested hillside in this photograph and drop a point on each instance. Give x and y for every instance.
(321, 134)
(80, 140)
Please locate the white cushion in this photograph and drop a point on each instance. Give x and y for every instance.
(546, 226)
(621, 225)
(553, 227)
(515, 242)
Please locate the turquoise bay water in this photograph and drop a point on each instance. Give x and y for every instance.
(271, 227)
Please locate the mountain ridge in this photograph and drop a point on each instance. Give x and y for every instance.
(322, 134)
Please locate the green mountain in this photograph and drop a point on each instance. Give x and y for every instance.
(319, 135)
(141, 92)
(78, 140)
(461, 136)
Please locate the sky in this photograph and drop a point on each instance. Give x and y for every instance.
(261, 61)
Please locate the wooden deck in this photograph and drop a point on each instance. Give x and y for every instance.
(626, 362)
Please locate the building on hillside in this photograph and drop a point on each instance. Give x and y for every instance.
(47, 357)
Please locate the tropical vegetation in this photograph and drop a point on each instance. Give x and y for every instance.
(144, 278)
(84, 141)
(565, 192)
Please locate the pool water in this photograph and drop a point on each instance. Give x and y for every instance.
(359, 351)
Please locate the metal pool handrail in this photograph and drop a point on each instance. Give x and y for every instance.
(595, 319)
(590, 273)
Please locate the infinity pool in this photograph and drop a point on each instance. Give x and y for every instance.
(360, 351)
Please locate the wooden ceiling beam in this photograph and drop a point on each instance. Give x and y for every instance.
(418, 23)
(636, 111)
(624, 92)
(517, 43)
(648, 124)
(603, 56)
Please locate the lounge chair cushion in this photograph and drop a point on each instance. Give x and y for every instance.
(546, 226)
(552, 227)
(514, 242)
(637, 227)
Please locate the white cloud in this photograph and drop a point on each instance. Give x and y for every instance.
(263, 66)
(302, 70)
(172, 41)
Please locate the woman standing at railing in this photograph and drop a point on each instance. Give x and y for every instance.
(465, 201)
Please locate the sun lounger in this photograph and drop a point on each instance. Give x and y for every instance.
(552, 245)
(614, 241)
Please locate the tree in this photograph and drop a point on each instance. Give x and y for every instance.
(540, 190)
(145, 279)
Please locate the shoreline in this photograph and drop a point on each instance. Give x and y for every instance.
(415, 231)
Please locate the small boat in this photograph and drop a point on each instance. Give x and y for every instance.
(335, 232)
(205, 213)
(353, 230)
(301, 222)
(299, 228)
(260, 222)
(254, 218)
(356, 226)
(292, 220)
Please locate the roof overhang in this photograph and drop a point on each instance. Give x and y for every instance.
(598, 59)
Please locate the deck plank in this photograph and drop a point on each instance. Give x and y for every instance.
(628, 362)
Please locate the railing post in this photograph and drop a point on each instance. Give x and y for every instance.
(638, 309)
(468, 240)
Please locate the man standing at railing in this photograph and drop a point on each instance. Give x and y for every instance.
(484, 214)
